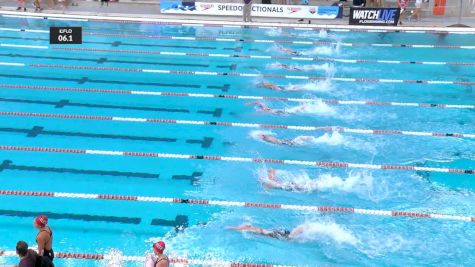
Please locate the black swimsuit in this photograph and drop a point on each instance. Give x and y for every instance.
(280, 234)
(47, 252)
(164, 258)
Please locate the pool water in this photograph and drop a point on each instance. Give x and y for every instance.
(198, 231)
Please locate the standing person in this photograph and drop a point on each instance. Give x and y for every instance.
(161, 260)
(402, 5)
(27, 256)
(104, 1)
(21, 5)
(37, 4)
(417, 11)
(246, 11)
(44, 238)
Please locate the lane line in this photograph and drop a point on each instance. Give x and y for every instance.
(328, 164)
(227, 203)
(244, 97)
(235, 124)
(235, 74)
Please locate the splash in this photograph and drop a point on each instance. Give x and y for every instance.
(356, 182)
(323, 50)
(318, 231)
(332, 139)
(114, 258)
(315, 108)
(329, 69)
(320, 86)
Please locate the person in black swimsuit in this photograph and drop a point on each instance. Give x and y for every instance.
(162, 259)
(44, 238)
(274, 233)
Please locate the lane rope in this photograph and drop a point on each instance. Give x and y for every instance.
(265, 41)
(238, 40)
(298, 58)
(235, 74)
(173, 260)
(234, 124)
(225, 203)
(246, 97)
(329, 164)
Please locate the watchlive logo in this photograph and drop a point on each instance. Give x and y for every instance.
(293, 9)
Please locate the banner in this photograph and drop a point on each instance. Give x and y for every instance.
(258, 10)
(374, 16)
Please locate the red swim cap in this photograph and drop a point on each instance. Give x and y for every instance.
(159, 247)
(41, 220)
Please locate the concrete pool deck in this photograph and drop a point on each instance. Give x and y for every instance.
(151, 10)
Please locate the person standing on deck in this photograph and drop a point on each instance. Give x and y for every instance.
(246, 11)
(44, 238)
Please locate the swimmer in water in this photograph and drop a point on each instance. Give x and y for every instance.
(271, 86)
(263, 107)
(281, 234)
(270, 138)
(288, 67)
(276, 183)
(289, 51)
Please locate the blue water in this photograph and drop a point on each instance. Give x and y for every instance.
(331, 239)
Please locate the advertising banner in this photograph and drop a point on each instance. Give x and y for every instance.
(374, 16)
(258, 10)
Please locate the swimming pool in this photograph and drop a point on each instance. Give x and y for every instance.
(143, 133)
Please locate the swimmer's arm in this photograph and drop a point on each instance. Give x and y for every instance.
(41, 240)
(296, 232)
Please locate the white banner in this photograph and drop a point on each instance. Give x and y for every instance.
(258, 10)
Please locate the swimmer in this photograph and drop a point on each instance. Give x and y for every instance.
(269, 138)
(274, 140)
(276, 183)
(44, 238)
(289, 51)
(270, 85)
(161, 260)
(288, 67)
(263, 107)
(273, 233)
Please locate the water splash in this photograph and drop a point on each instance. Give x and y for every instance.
(356, 182)
(323, 50)
(319, 86)
(114, 258)
(317, 107)
(326, 231)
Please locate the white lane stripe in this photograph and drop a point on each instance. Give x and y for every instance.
(12, 64)
(25, 46)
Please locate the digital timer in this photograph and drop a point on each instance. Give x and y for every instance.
(65, 35)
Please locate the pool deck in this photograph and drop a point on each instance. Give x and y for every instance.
(151, 10)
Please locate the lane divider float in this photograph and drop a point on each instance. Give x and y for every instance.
(235, 74)
(225, 203)
(237, 40)
(173, 260)
(295, 58)
(329, 164)
(245, 97)
(233, 124)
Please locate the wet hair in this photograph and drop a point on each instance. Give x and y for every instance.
(21, 248)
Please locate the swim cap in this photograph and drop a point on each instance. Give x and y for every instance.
(159, 247)
(41, 220)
